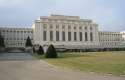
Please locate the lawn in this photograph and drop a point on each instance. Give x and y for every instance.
(98, 62)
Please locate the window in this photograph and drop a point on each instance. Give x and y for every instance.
(80, 27)
(74, 27)
(86, 28)
(57, 26)
(75, 36)
(69, 27)
(44, 35)
(63, 26)
(51, 35)
(63, 36)
(91, 36)
(69, 36)
(24, 32)
(90, 28)
(44, 26)
(86, 36)
(57, 35)
(80, 36)
(51, 26)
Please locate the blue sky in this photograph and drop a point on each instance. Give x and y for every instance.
(109, 14)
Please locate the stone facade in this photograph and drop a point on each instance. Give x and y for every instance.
(111, 39)
(65, 31)
(15, 37)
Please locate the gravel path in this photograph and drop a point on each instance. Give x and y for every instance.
(40, 70)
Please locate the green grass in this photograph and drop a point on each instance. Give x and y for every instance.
(99, 62)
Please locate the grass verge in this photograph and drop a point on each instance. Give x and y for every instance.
(99, 62)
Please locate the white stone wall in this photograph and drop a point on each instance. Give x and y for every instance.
(110, 39)
(16, 37)
(44, 24)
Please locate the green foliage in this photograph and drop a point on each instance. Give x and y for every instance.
(34, 49)
(28, 42)
(51, 52)
(40, 51)
(2, 44)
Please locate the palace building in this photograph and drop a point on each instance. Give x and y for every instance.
(69, 32)
(65, 31)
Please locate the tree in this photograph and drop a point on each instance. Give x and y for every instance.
(40, 51)
(2, 44)
(28, 42)
(51, 52)
(34, 49)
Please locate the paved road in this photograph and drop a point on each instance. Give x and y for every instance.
(40, 70)
(16, 56)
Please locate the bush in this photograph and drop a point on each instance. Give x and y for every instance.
(40, 51)
(34, 49)
(51, 52)
(28, 42)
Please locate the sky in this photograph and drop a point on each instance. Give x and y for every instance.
(109, 14)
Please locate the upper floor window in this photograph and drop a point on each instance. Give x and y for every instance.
(44, 26)
(57, 26)
(85, 27)
(51, 26)
(69, 27)
(90, 28)
(63, 26)
(74, 27)
(80, 27)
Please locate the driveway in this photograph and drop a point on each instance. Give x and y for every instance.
(16, 56)
(34, 69)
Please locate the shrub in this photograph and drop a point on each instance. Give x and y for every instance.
(28, 42)
(40, 51)
(2, 44)
(34, 49)
(51, 52)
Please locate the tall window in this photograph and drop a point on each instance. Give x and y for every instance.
(51, 35)
(57, 35)
(44, 35)
(80, 36)
(69, 36)
(75, 36)
(91, 36)
(86, 36)
(63, 36)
